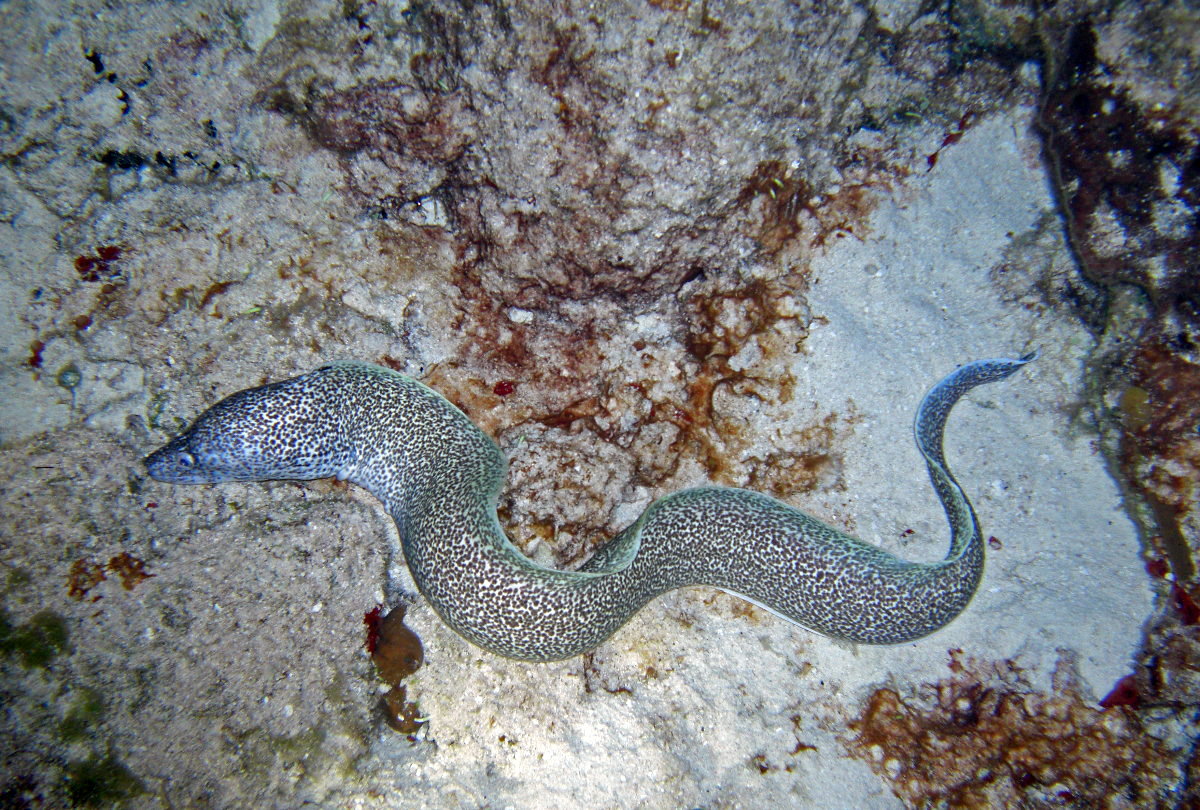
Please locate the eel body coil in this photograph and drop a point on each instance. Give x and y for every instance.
(439, 476)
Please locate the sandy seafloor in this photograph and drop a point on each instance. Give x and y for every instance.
(235, 676)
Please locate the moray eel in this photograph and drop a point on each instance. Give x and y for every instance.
(439, 476)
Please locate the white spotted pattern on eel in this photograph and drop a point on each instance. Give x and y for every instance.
(439, 476)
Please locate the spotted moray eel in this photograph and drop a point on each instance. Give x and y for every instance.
(439, 477)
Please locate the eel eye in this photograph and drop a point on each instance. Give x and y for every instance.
(187, 460)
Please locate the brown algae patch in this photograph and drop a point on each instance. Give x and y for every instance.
(986, 738)
(85, 574)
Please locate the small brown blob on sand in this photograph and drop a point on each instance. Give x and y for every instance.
(129, 568)
(83, 576)
(397, 653)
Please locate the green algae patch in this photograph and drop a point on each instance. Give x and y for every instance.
(100, 781)
(16, 578)
(83, 716)
(36, 642)
(265, 754)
